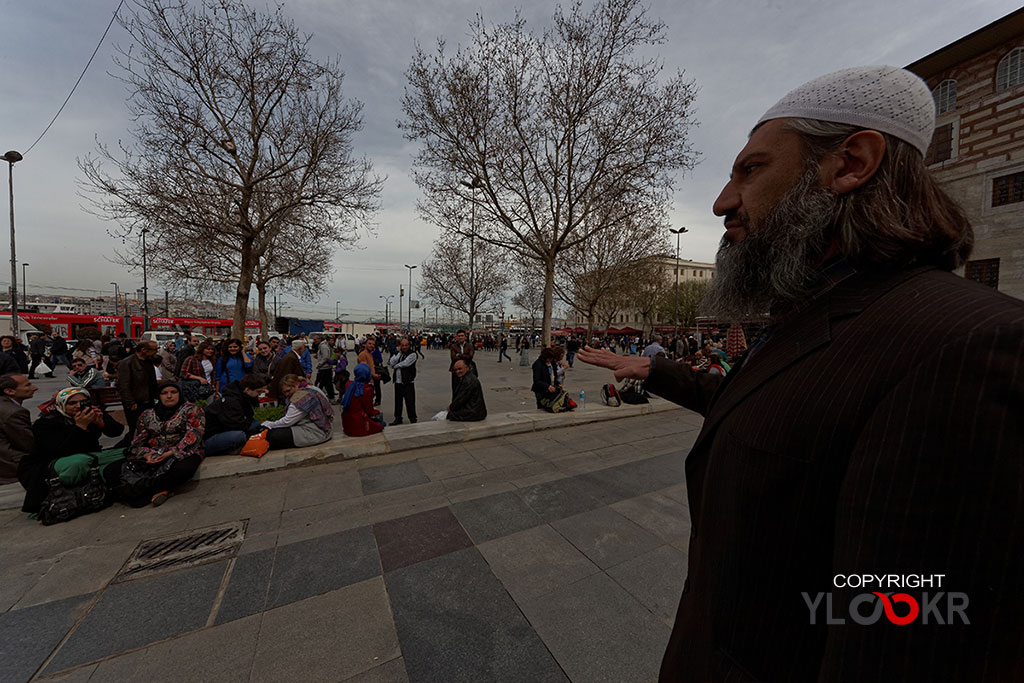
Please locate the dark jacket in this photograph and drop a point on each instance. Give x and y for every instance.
(462, 351)
(16, 439)
(17, 354)
(468, 403)
(877, 431)
(56, 437)
(231, 412)
(9, 365)
(58, 346)
(542, 379)
(136, 381)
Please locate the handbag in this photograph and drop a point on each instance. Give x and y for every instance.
(63, 503)
(193, 390)
(138, 477)
(257, 445)
(385, 374)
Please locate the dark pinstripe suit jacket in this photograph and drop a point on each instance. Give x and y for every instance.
(879, 431)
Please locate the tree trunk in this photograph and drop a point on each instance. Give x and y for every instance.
(590, 325)
(549, 289)
(261, 287)
(242, 291)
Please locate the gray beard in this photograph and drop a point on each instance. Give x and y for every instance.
(778, 263)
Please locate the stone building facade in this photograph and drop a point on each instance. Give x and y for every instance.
(977, 152)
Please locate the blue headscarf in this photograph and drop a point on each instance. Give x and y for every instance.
(361, 377)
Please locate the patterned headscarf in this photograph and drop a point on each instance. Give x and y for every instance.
(62, 398)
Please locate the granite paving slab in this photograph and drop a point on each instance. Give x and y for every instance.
(389, 672)
(535, 562)
(248, 585)
(322, 564)
(453, 464)
(389, 477)
(457, 624)
(562, 497)
(136, 613)
(655, 579)
(329, 638)
(605, 536)
(662, 516)
(305, 491)
(495, 516)
(415, 538)
(598, 632)
(29, 635)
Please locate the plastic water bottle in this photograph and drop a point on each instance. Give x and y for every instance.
(583, 399)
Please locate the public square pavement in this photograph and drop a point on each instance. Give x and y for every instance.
(546, 556)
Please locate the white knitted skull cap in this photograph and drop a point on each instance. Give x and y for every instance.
(883, 98)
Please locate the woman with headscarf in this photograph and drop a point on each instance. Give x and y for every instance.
(168, 361)
(357, 411)
(167, 448)
(68, 437)
(309, 419)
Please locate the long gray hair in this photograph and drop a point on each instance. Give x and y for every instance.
(900, 216)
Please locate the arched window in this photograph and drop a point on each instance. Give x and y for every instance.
(1010, 71)
(945, 96)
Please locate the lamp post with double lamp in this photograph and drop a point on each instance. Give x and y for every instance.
(473, 184)
(12, 158)
(411, 268)
(677, 233)
(387, 308)
(24, 287)
(337, 307)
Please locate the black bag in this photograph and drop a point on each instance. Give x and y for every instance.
(193, 390)
(138, 478)
(632, 391)
(385, 374)
(63, 503)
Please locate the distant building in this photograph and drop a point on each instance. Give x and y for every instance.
(977, 152)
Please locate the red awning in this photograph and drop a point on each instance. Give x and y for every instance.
(629, 330)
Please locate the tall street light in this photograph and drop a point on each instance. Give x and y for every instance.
(24, 287)
(411, 268)
(337, 316)
(117, 299)
(387, 307)
(145, 284)
(677, 233)
(12, 158)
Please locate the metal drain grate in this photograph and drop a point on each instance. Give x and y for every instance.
(196, 547)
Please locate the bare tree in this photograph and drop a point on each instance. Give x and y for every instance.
(464, 277)
(237, 133)
(691, 293)
(566, 133)
(595, 272)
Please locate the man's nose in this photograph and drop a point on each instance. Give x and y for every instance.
(728, 200)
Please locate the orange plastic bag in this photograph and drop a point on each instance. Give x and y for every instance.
(256, 446)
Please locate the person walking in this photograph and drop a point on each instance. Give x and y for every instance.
(404, 365)
(37, 350)
(59, 352)
(324, 366)
(503, 349)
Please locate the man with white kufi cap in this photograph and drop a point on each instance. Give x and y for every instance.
(869, 443)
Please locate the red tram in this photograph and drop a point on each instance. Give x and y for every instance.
(67, 325)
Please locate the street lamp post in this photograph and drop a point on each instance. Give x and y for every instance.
(677, 233)
(117, 299)
(145, 284)
(472, 185)
(387, 308)
(12, 158)
(411, 268)
(24, 286)
(337, 316)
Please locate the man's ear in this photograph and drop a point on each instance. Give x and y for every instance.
(854, 163)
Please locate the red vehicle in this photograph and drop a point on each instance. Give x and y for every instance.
(68, 325)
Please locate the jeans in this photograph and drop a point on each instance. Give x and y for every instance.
(228, 442)
(570, 357)
(60, 358)
(503, 352)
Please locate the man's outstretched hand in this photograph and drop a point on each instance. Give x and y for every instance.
(625, 367)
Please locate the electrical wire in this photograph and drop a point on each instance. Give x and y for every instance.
(75, 86)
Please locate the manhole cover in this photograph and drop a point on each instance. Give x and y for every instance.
(195, 547)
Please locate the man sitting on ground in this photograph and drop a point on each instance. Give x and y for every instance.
(468, 403)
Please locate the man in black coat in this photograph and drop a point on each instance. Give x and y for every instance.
(468, 403)
(855, 492)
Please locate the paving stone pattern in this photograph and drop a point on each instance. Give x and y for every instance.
(512, 559)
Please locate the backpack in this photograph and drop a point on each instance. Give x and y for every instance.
(632, 392)
(610, 396)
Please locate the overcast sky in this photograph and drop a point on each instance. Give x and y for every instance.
(744, 55)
